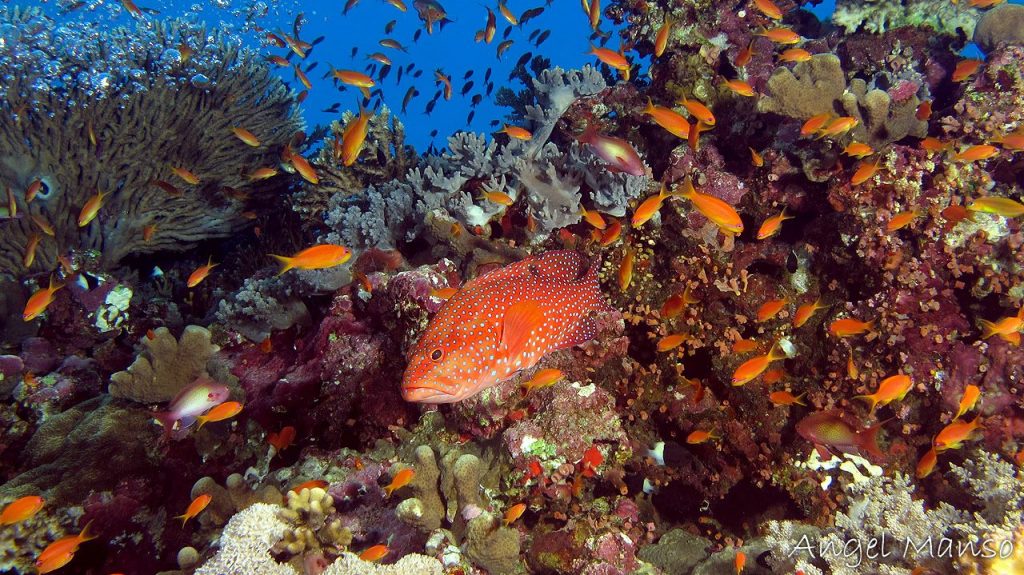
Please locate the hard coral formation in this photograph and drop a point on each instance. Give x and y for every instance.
(166, 366)
(808, 89)
(244, 548)
(1003, 24)
(451, 493)
(878, 16)
(86, 442)
(87, 117)
(881, 118)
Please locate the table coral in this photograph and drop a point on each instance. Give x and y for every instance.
(104, 126)
(166, 366)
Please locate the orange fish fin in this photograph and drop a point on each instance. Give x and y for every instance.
(523, 320)
(867, 440)
(1013, 338)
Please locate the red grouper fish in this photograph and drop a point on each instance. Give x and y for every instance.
(504, 321)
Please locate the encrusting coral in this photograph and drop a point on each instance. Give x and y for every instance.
(85, 442)
(809, 89)
(166, 366)
(103, 127)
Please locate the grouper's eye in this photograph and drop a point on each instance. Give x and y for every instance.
(436, 355)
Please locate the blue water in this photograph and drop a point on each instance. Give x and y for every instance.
(452, 50)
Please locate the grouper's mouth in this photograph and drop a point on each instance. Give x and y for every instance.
(426, 394)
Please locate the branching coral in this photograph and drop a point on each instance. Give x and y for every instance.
(166, 366)
(885, 507)
(878, 16)
(84, 116)
(384, 157)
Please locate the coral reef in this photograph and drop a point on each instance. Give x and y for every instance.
(166, 366)
(878, 16)
(808, 89)
(86, 442)
(1003, 24)
(102, 127)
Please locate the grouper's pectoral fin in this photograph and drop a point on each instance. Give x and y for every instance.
(521, 320)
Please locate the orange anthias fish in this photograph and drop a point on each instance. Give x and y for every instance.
(714, 209)
(62, 551)
(311, 485)
(186, 175)
(375, 553)
(501, 322)
(892, 388)
(195, 508)
(814, 124)
(247, 137)
(741, 558)
(902, 220)
(626, 268)
(754, 367)
(661, 40)
(281, 440)
(226, 410)
(794, 55)
(670, 342)
(744, 345)
(400, 480)
(969, 400)
(315, 258)
(965, 69)
(805, 311)
(40, 300)
(772, 225)
(613, 59)
(675, 303)
(699, 111)
(513, 513)
(769, 309)
(756, 158)
(21, 509)
(955, 434)
(647, 208)
(781, 35)
(976, 153)
(91, 208)
(354, 137)
(849, 326)
(833, 429)
(542, 379)
(926, 464)
(669, 119)
(769, 9)
(858, 150)
(304, 168)
(699, 436)
(740, 88)
(1007, 328)
(516, 132)
(443, 293)
(201, 273)
(1000, 206)
(786, 398)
